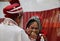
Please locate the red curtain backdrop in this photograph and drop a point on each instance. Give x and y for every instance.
(50, 20)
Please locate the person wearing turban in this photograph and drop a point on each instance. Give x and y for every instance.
(9, 29)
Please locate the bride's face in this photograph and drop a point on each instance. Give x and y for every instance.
(33, 30)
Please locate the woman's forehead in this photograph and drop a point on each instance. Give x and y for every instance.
(34, 24)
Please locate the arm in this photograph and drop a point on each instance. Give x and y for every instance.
(22, 36)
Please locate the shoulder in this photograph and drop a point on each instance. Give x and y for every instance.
(14, 28)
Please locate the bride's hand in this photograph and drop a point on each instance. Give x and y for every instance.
(33, 35)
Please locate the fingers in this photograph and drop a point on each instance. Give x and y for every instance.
(33, 35)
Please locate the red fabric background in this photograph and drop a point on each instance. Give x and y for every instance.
(49, 20)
